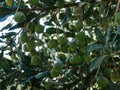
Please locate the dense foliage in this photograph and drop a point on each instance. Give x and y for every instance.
(60, 45)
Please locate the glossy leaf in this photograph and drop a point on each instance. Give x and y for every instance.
(97, 62)
(95, 47)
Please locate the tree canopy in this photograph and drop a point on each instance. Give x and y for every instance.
(60, 45)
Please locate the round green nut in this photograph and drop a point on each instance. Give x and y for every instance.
(102, 81)
(62, 57)
(19, 17)
(61, 40)
(71, 27)
(82, 50)
(24, 38)
(107, 72)
(25, 48)
(52, 43)
(86, 58)
(80, 36)
(32, 52)
(31, 26)
(39, 29)
(79, 25)
(81, 43)
(64, 48)
(76, 59)
(73, 46)
(105, 23)
(35, 60)
(58, 66)
(55, 73)
(31, 45)
(114, 76)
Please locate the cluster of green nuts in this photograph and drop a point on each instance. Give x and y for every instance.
(29, 46)
(30, 42)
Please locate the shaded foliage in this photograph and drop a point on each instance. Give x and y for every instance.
(90, 32)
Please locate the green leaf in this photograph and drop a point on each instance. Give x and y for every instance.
(99, 35)
(16, 26)
(49, 2)
(52, 30)
(66, 17)
(1, 54)
(69, 34)
(34, 2)
(30, 16)
(41, 75)
(116, 34)
(3, 18)
(54, 19)
(6, 27)
(97, 62)
(7, 35)
(5, 13)
(95, 46)
(28, 79)
(88, 12)
(108, 33)
(113, 86)
(10, 34)
(1, 40)
(5, 65)
(37, 17)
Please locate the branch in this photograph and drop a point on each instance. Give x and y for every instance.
(54, 7)
(42, 8)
